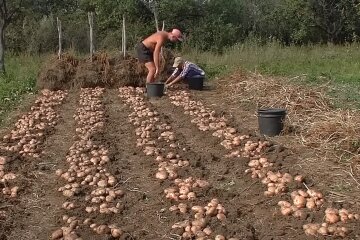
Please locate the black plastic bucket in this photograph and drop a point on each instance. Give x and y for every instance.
(155, 89)
(271, 121)
(196, 83)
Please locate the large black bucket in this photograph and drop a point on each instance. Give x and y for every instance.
(196, 82)
(155, 89)
(271, 121)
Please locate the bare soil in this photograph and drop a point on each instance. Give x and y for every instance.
(37, 212)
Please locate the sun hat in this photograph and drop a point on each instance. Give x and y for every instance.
(177, 62)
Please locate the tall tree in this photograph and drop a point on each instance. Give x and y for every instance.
(9, 10)
(334, 16)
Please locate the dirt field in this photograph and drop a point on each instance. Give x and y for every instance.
(145, 156)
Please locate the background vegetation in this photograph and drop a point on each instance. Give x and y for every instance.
(335, 65)
(312, 40)
(20, 79)
(209, 24)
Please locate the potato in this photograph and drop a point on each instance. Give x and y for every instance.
(332, 218)
(173, 208)
(187, 235)
(66, 230)
(59, 172)
(162, 175)
(57, 234)
(287, 178)
(219, 237)
(299, 201)
(273, 177)
(116, 232)
(120, 193)
(322, 231)
(214, 202)
(310, 204)
(212, 211)
(284, 204)
(207, 231)
(195, 228)
(310, 232)
(286, 211)
(87, 221)
(221, 217)
(199, 222)
(9, 176)
(68, 193)
(13, 192)
(71, 236)
(331, 229)
(102, 183)
(191, 196)
(111, 181)
(303, 193)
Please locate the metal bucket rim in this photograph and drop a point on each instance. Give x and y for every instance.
(155, 84)
(272, 110)
(270, 116)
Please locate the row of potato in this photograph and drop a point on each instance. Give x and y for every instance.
(26, 139)
(152, 133)
(302, 200)
(89, 187)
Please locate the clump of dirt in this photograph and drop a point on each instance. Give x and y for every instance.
(57, 73)
(102, 70)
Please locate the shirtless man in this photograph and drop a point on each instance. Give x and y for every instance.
(148, 51)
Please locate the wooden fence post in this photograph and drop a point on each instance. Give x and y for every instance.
(60, 37)
(124, 37)
(91, 24)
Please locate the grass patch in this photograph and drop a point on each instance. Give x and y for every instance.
(19, 79)
(315, 64)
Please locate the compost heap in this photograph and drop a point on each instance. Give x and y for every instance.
(102, 70)
(57, 74)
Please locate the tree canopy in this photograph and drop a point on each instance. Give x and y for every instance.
(208, 24)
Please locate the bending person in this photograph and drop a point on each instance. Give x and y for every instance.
(148, 51)
(184, 70)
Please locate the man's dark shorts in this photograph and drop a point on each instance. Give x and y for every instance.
(144, 54)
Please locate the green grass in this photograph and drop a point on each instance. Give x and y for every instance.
(19, 80)
(340, 65)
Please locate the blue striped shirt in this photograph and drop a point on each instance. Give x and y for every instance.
(189, 70)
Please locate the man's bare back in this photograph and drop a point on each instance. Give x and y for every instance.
(156, 38)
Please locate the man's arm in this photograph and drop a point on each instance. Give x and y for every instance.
(169, 79)
(182, 74)
(172, 76)
(157, 51)
(177, 79)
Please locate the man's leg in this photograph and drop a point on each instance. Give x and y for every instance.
(151, 72)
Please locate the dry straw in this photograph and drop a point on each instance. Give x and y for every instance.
(313, 121)
(311, 114)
